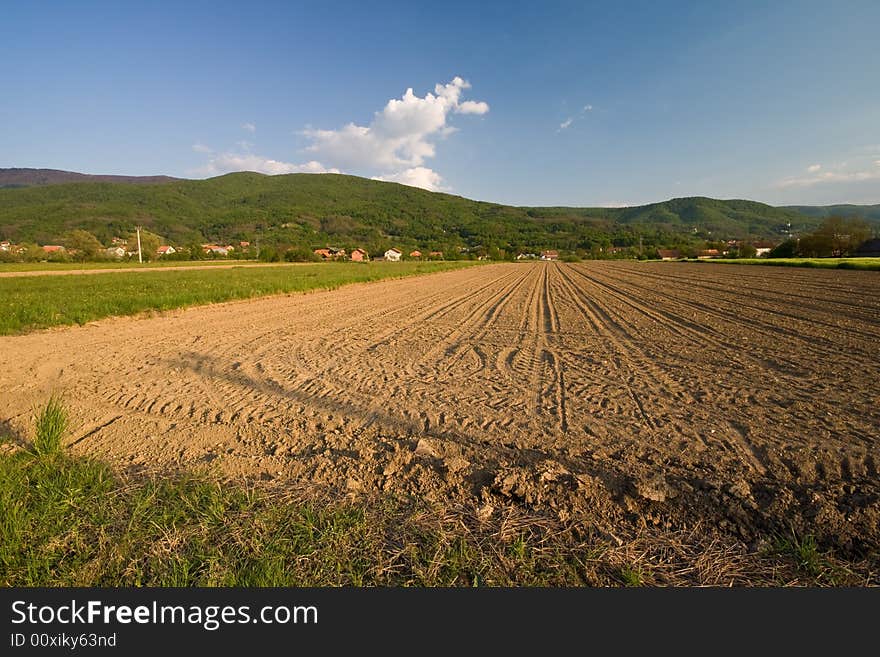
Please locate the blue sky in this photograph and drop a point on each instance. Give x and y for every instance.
(526, 103)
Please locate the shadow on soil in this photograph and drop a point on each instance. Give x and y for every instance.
(523, 476)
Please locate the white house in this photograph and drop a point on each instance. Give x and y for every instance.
(763, 248)
(165, 250)
(115, 252)
(393, 255)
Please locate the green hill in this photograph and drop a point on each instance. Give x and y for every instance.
(347, 211)
(868, 212)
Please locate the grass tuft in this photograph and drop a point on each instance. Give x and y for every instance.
(632, 576)
(51, 423)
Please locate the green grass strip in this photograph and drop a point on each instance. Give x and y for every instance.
(44, 301)
(865, 264)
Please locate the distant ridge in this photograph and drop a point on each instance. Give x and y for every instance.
(870, 212)
(309, 210)
(15, 177)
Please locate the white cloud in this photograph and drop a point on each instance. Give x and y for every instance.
(400, 137)
(566, 123)
(813, 168)
(393, 147)
(230, 162)
(829, 177)
(588, 108)
(472, 107)
(201, 148)
(877, 163)
(416, 177)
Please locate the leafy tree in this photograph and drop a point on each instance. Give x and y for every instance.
(746, 251)
(194, 251)
(301, 254)
(816, 245)
(269, 254)
(788, 249)
(83, 245)
(842, 234)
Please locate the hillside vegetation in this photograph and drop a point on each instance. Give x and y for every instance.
(348, 211)
(869, 212)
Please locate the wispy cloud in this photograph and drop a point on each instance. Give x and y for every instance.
(198, 147)
(249, 127)
(571, 119)
(842, 174)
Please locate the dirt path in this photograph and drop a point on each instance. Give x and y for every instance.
(657, 393)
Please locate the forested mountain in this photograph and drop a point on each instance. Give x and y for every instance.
(869, 212)
(312, 210)
(32, 177)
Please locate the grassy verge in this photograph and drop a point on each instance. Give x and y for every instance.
(73, 521)
(121, 264)
(868, 264)
(44, 301)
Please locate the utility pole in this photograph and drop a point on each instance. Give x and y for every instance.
(140, 255)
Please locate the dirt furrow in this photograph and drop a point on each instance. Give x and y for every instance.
(602, 392)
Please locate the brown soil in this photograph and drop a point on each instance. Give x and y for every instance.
(659, 394)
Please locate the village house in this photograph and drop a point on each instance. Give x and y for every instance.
(118, 241)
(115, 252)
(359, 255)
(215, 249)
(526, 256)
(415, 254)
(165, 250)
(763, 248)
(393, 255)
(549, 255)
(5, 246)
(53, 248)
(436, 254)
(708, 254)
(669, 254)
(244, 245)
(330, 253)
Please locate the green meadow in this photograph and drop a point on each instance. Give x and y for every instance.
(121, 264)
(872, 264)
(35, 302)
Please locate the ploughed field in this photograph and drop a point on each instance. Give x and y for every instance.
(741, 399)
